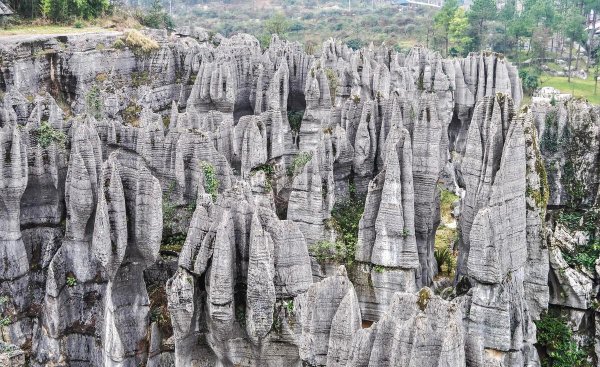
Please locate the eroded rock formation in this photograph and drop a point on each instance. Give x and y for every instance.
(181, 207)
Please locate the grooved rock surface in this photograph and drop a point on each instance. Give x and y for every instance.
(189, 207)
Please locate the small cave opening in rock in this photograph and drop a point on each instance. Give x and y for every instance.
(453, 131)
(242, 107)
(296, 101)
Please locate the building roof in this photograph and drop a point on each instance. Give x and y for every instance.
(4, 9)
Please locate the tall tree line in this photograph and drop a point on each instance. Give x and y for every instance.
(542, 25)
(59, 10)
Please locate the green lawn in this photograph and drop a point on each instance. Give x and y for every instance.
(577, 87)
(46, 29)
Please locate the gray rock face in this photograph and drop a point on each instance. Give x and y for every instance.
(494, 237)
(417, 329)
(569, 140)
(164, 209)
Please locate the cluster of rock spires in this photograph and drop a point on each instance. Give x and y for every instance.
(110, 155)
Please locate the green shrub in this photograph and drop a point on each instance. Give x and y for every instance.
(172, 240)
(328, 251)
(295, 120)
(119, 44)
(345, 217)
(443, 256)
(447, 199)
(46, 135)
(332, 78)
(71, 281)
(269, 171)
(549, 139)
(156, 17)
(267, 168)
(585, 256)
(555, 336)
(586, 221)
(211, 183)
(355, 44)
(5, 321)
(93, 103)
(78, 24)
(289, 305)
(298, 163)
(379, 268)
(530, 79)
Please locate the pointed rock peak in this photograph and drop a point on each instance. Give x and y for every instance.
(396, 119)
(341, 271)
(150, 120)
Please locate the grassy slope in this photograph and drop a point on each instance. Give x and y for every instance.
(577, 87)
(46, 29)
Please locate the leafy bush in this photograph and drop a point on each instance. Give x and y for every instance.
(46, 135)
(447, 199)
(277, 24)
(555, 336)
(443, 256)
(530, 80)
(173, 242)
(585, 256)
(328, 251)
(550, 141)
(332, 78)
(172, 239)
(577, 220)
(5, 321)
(269, 171)
(93, 102)
(156, 17)
(355, 44)
(345, 218)
(298, 163)
(379, 268)
(119, 44)
(295, 120)
(289, 305)
(586, 221)
(211, 183)
(71, 281)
